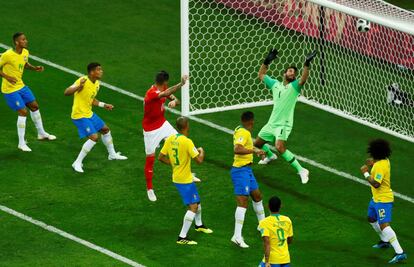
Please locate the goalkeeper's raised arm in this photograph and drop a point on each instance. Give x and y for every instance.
(306, 67)
(269, 58)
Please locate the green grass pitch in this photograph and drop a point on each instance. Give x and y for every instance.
(108, 205)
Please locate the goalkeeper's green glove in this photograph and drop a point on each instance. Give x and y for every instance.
(310, 57)
(270, 57)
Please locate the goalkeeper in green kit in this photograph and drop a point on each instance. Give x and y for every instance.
(279, 126)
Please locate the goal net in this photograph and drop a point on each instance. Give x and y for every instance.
(364, 76)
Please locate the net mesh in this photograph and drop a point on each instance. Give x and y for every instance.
(369, 76)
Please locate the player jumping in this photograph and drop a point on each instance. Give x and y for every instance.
(178, 150)
(277, 234)
(279, 126)
(155, 127)
(18, 95)
(380, 206)
(88, 123)
(244, 182)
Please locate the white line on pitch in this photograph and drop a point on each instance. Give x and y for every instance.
(71, 237)
(216, 126)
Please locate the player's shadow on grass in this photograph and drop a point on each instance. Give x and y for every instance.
(272, 183)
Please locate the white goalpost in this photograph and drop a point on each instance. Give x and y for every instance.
(367, 77)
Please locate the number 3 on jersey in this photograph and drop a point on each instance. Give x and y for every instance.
(177, 161)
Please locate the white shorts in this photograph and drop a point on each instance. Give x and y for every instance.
(152, 139)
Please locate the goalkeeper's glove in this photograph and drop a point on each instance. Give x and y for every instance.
(310, 57)
(270, 57)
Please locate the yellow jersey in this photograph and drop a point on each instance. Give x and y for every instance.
(278, 228)
(381, 173)
(12, 64)
(82, 100)
(180, 150)
(242, 137)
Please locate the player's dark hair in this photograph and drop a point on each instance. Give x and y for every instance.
(17, 35)
(162, 77)
(247, 116)
(92, 66)
(274, 204)
(291, 67)
(379, 149)
(181, 123)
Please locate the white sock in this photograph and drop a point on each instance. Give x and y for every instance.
(108, 142)
(86, 148)
(390, 235)
(188, 220)
(37, 120)
(258, 208)
(239, 220)
(21, 129)
(198, 221)
(377, 229)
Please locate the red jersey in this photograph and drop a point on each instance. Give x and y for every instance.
(153, 110)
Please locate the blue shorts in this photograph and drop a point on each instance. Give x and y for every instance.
(18, 100)
(244, 181)
(188, 193)
(262, 264)
(379, 211)
(88, 126)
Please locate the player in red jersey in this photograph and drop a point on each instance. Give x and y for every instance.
(156, 127)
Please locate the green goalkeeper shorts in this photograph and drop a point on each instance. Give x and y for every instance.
(272, 134)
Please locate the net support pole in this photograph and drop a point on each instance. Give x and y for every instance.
(185, 56)
(322, 43)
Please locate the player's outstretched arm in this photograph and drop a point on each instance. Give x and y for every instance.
(200, 158)
(101, 104)
(305, 72)
(269, 58)
(75, 88)
(35, 68)
(174, 101)
(164, 159)
(174, 88)
(241, 150)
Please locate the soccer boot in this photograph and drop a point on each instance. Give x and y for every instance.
(185, 241)
(151, 195)
(398, 258)
(117, 156)
(382, 244)
(304, 175)
(46, 136)
(77, 166)
(266, 160)
(24, 147)
(204, 229)
(239, 241)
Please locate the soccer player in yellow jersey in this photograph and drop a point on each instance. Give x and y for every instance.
(244, 182)
(178, 150)
(18, 95)
(277, 234)
(88, 123)
(380, 206)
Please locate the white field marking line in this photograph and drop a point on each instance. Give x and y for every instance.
(71, 237)
(218, 127)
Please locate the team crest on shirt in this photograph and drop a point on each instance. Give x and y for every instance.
(88, 129)
(25, 58)
(240, 139)
(195, 196)
(247, 189)
(18, 103)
